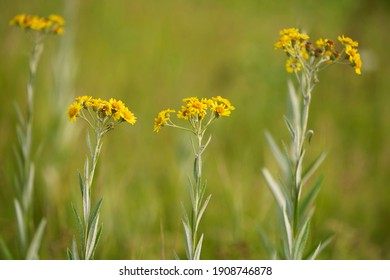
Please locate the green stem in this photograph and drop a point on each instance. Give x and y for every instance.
(306, 86)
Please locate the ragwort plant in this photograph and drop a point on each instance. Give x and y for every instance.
(29, 236)
(102, 116)
(199, 113)
(305, 60)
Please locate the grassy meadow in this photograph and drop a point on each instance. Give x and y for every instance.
(151, 55)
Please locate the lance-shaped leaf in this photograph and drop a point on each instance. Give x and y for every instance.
(313, 255)
(311, 195)
(20, 221)
(294, 103)
(279, 156)
(288, 232)
(79, 227)
(188, 240)
(94, 213)
(32, 253)
(202, 211)
(5, 251)
(92, 238)
(275, 189)
(301, 240)
(198, 249)
(313, 167)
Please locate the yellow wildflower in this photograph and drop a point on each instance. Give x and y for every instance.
(128, 116)
(162, 119)
(292, 65)
(84, 100)
(224, 101)
(52, 24)
(220, 109)
(354, 58)
(194, 107)
(74, 110)
(104, 108)
(117, 108)
(347, 41)
(57, 19)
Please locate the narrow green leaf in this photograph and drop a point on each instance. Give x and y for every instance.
(200, 214)
(280, 158)
(313, 167)
(313, 255)
(92, 238)
(311, 195)
(196, 169)
(290, 127)
(188, 240)
(69, 253)
(294, 103)
(75, 253)
(94, 213)
(191, 189)
(287, 196)
(275, 189)
(185, 216)
(21, 226)
(301, 241)
(79, 226)
(99, 233)
(29, 188)
(176, 256)
(81, 183)
(5, 251)
(198, 249)
(268, 246)
(19, 114)
(288, 234)
(32, 253)
(202, 190)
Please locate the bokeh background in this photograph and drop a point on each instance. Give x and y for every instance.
(151, 54)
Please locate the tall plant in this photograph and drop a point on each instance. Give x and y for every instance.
(29, 236)
(294, 196)
(199, 113)
(102, 116)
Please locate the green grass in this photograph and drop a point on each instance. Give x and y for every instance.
(152, 54)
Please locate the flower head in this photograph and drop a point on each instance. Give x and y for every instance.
(73, 111)
(128, 116)
(221, 107)
(304, 55)
(195, 111)
(162, 119)
(102, 115)
(293, 65)
(354, 58)
(193, 108)
(52, 24)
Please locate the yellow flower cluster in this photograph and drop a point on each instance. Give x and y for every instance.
(195, 110)
(302, 53)
(52, 24)
(101, 111)
(352, 52)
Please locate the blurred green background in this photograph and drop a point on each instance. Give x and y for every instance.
(151, 54)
